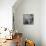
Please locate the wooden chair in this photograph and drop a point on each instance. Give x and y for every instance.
(29, 43)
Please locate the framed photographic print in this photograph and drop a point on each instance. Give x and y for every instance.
(28, 19)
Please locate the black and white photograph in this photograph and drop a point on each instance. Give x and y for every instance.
(28, 19)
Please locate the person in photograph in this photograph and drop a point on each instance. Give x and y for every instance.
(28, 19)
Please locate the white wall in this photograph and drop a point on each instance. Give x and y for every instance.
(43, 22)
(29, 31)
(6, 13)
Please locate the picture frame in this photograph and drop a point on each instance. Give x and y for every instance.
(28, 19)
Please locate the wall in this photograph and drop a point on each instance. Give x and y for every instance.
(29, 31)
(6, 13)
(43, 22)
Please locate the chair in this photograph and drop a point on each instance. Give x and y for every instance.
(29, 43)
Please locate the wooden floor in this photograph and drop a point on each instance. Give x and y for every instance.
(9, 43)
